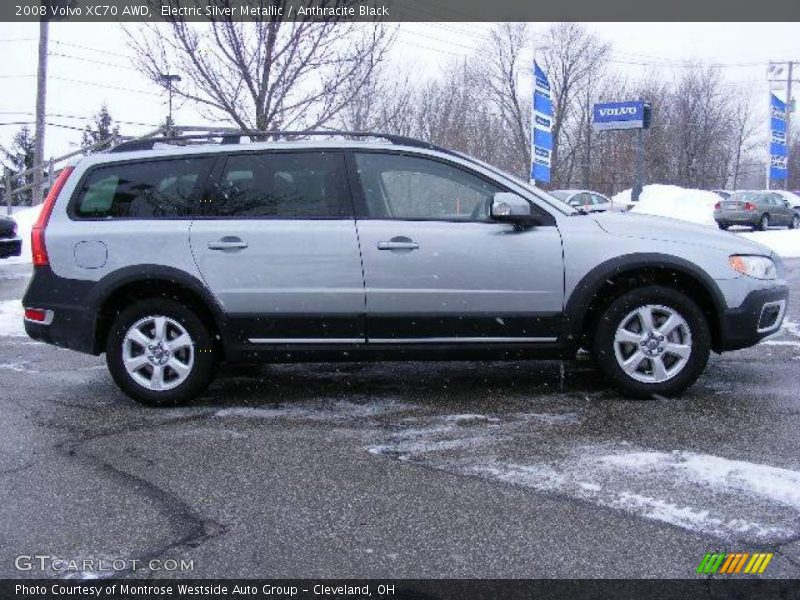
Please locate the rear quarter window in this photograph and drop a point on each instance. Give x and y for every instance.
(158, 189)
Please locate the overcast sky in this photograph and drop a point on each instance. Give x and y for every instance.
(90, 64)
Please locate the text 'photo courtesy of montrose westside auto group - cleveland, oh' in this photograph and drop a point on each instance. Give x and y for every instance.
(402, 299)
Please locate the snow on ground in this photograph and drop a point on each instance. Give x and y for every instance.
(25, 218)
(11, 319)
(706, 493)
(696, 206)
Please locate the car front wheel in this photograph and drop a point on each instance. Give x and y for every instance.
(795, 222)
(652, 341)
(160, 353)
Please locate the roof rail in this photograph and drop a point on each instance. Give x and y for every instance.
(235, 137)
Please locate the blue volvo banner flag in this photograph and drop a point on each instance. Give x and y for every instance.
(619, 115)
(542, 142)
(778, 151)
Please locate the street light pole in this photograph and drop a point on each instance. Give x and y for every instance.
(170, 80)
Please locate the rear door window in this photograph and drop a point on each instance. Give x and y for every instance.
(158, 189)
(284, 185)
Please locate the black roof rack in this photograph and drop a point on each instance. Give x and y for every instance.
(235, 137)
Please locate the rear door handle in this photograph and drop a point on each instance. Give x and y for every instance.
(398, 245)
(228, 243)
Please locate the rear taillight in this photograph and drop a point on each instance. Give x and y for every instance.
(35, 314)
(717, 206)
(38, 248)
(749, 206)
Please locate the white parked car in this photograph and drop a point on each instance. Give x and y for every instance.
(586, 199)
(792, 197)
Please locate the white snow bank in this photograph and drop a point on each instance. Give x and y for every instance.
(696, 206)
(25, 218)
(11, 318)
(784, 242)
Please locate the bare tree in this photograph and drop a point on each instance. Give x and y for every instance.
(744, 129)
(507, 55)
(384, 102)
(266, 73)
(572, 58)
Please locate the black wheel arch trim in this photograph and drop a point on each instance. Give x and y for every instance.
(579, 302)
(106, 287)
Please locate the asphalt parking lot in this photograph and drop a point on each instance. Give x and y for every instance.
(400, 470)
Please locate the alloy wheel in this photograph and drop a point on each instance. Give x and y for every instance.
(653, 343)
(158, 353)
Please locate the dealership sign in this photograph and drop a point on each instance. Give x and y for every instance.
(620, 115)
(542, 142)
(778, 150)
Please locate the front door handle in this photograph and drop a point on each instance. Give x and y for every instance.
(228, 243)
(398, 243)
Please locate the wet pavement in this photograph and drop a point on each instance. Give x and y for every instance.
(491, 469)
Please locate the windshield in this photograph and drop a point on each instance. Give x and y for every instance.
(561, 194)
(550, 199)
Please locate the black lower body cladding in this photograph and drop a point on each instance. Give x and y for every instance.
(739, 327)
(74, 320)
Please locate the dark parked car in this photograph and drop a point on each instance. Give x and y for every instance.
(758, 209)
(10, 244)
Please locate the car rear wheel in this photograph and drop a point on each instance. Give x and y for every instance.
(160, 353)
(763, 222)
(652, 341)
(723, 226)
(795, 222)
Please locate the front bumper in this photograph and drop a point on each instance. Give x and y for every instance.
(10, 247)
(760, 315)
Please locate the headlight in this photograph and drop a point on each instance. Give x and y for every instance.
(758, 267)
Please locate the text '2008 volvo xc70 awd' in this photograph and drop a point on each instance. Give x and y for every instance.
(172, 255)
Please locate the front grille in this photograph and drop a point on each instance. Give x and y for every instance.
(6, 230)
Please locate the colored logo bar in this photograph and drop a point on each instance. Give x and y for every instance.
(731, 563)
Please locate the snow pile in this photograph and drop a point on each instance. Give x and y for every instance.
(11, 318)
(696, 206)
(784, 242)
(25, 218)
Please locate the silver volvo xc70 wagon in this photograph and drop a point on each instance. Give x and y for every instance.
(171, 255)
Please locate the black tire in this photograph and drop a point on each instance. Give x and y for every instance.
(201, 372)
(616, 313)
(795, 224)
(723, 226)
(763, 222)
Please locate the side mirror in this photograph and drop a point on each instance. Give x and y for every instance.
(574, 202)
(510, 208)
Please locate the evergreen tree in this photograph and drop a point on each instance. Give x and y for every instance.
(168, 128)
(19, 158)
(102, 130)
